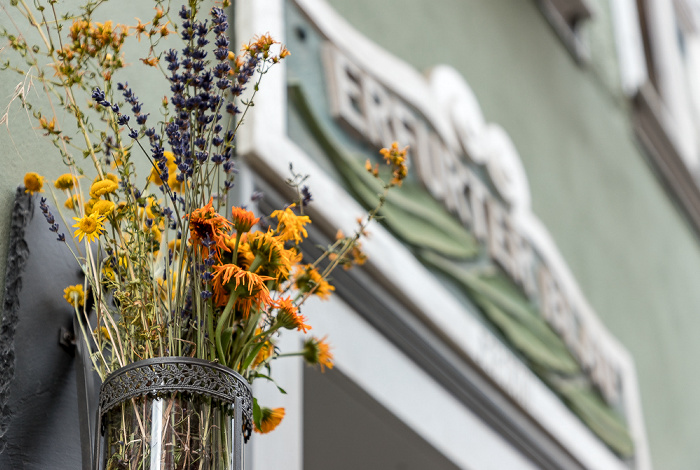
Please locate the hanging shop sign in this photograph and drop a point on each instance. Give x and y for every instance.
(447, 166)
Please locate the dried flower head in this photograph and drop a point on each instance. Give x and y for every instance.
(270, 418)
(308, 280)
(288, 316)
(72, 202)
(65, 181)
(90, 227)
(103, 207)
(290, 226)
(243, 220)
(317, 352)
(206, 224)
(74, 295)
(101, 187)
(33, 183)
(396, 158)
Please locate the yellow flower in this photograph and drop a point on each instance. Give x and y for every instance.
(103, 332)
(112, 177)
(164, 31)
(155, 176)
(397, 160)
(269, 419)
(172, 171)
(267, 252)
(264, 354)
(33, 183)
(150, 61)
(175, 185)
(373, 170)
(107, 176)
(102, 187)
(174, 245)
(140, 29)
(49, 126)
(90, 226)
(151, 202)
(90, 205)
(359, 257)
(108, 273)
(103, 207)
(74, 295)
(155, 232)
(72, 202)
(290, 226)
(317, 352)
(353, 254)
(65, 181)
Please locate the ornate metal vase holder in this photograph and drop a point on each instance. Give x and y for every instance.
(173, 413)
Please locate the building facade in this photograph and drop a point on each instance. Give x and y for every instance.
(530, 295)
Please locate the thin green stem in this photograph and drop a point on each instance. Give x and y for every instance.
(223, 319)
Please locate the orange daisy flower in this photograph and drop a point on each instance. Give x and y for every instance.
(288, 316)
(250, 287)
(269, 419)
(205, 222)
(317, 352)
(308, 279)
(243, 220)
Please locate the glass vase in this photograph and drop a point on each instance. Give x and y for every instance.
(173, 413)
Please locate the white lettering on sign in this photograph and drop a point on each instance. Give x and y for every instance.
(447, 167)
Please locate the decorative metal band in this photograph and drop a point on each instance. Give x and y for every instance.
(177, 374)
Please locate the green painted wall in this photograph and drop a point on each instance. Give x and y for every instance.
(23, 147)
(633, 254)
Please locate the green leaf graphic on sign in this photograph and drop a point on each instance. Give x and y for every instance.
(527, 332)
(511, 313)
(597, 415)
(527, 341)
(411, 214)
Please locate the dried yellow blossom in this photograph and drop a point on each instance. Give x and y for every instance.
(72, 202)
(269, 419)
(74, 295)
(65, 181)
(102, 187)
(33, 183)
(290, 226)
(103, 207)
(90, 226)
(317, 352)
